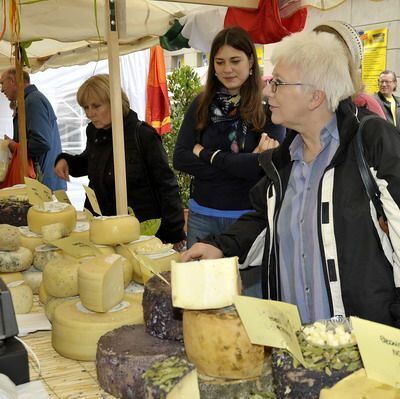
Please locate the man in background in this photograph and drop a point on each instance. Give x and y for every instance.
(389, 103)
(43, 137)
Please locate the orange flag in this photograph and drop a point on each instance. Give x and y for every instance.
(157, 107)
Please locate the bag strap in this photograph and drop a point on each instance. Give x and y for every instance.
(368, 180)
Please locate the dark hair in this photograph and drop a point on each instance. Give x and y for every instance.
(251, 108)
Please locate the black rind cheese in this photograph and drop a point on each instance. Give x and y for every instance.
(14, 212)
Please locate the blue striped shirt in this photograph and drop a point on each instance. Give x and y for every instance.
(301, 270)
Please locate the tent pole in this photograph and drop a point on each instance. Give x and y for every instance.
(116, 109)
(21, 113)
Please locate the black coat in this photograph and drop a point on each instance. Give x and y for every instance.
(385, 105)
(152, 189)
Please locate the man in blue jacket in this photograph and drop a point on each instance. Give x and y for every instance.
(43, 137)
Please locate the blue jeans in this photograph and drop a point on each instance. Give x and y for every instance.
(200, 226)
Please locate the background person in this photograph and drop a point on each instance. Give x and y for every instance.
(389, 103)
(323, 250)
(151, 185)
(222, 134)
(43, 137)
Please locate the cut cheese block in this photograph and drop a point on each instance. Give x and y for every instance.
(11, 277)
(50, 213)
(22, 297)
(43, 254)
(44, 296)
(29, 239)
(14, 211)
(33, 278)
(53, 302)
(81, 231)
(76, 330)
(101, 282)
(124, 354)
(172, 378)
(15, 261)
(9, 238)
(217, 344)
(162, 320)
(52, 232)
(113, 230)
(205, 284)
(60, 277)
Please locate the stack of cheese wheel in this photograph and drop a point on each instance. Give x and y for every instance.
(14, 259)
(214, 336)
(102, 304)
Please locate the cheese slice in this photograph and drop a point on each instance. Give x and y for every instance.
(9, 238)
(29, 239)
(22, 297)
(76, 330)
(101, 282)
(60, 277)
(50, 213)
(15, 261)
(113, 230)
(205, 284)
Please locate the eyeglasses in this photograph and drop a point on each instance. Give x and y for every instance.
(385, 82)
(275, 83)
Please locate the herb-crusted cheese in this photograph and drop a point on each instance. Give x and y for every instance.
(15, 261)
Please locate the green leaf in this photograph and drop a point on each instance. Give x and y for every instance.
(150, 227)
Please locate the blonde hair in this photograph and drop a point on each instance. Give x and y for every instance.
(98, 87)
(321, 60)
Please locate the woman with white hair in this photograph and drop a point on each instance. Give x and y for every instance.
(323, 249)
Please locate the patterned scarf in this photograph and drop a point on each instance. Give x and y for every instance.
(225, 109)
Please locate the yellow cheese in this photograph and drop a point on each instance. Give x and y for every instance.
(105, 249)
(50, 213)
(113, 230)
(205, 284)
(43, 254)
(22, 297)
(76, 330)
(10, 277)
(218, 345)
(101, 282)
(144, 243)
(60, 277)
(15, 261)
(33, 278)
(52, 232)
(81, 231)
(44, 296)
(9, 238)
(19, 190)
(8, 390)
(52, 303)
(29, 239)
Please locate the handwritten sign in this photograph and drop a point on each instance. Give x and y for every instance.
(271, 323)
(76, 247)
(92, 199)
(37, 192)
(62, 196)
(380, 350)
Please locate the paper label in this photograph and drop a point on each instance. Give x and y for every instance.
(62, 196)
(76, 247)
(379, 347)
(92, 199)
(271, 323)
(37, 192)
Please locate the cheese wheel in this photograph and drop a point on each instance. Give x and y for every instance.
(33, 278)
(50, 213)
(113, 230)
(171, 378)
(81, 231)
(9, 238)
(205, 284)
(101, 282)
(15, 261)
(60, 277)
(105, 249)
(29, 239)
(19, 190)
(44, 296)
(43, 254)
(22, 297)
(76, 330)
(10, 277)
(218, 345)
(52, 232)
(52, 303)
(144, 243)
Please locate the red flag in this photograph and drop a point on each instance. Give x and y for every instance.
(264, 24)
(157, 107)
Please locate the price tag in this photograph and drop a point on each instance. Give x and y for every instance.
(62, 196)
(379, 347)
(92, 199)
(76, 247)
(271, 323)
(37, 192)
